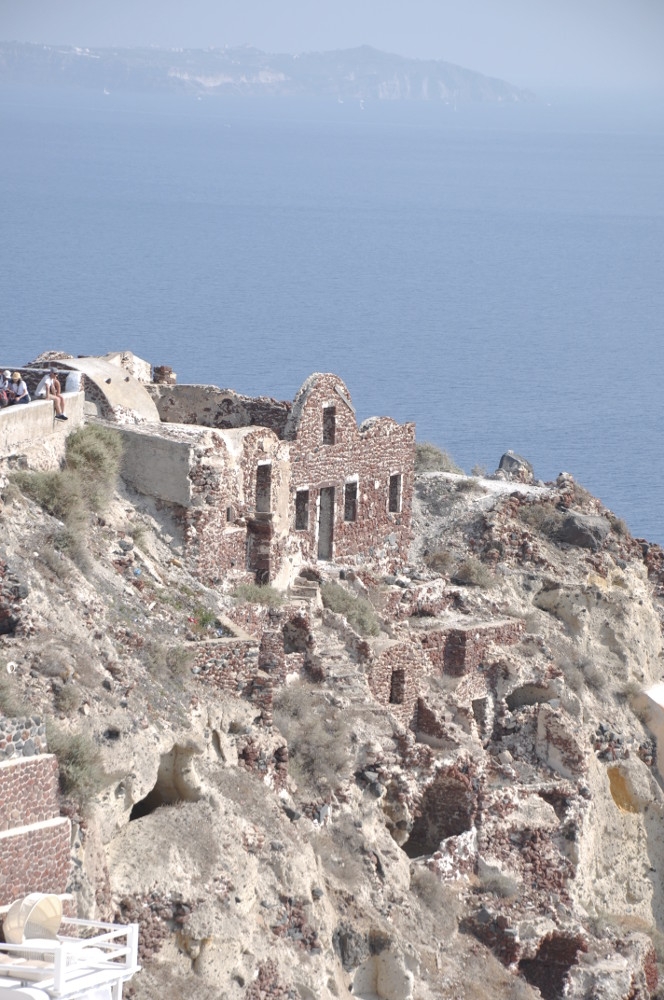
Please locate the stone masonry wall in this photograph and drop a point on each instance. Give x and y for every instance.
(395, 679)
(34, 859)
(221, 408)
(369, 455)
(28, 791)
(458, 651)
(21, 737)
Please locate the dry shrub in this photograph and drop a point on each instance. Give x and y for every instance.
(439, 899)
(11, 702)
(81, 772)
(469, 485)
(439, 560)
(473, 573)
(317, 735)
(430, 458)
(545, 519)
(68, 698)
(358, 611)
(581, 672)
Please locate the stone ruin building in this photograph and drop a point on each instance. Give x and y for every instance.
(256, 488)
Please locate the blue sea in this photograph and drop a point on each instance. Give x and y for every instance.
(494, 274)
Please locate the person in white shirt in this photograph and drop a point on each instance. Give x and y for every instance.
(49, 388)
(18, 389)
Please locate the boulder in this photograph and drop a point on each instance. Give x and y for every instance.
(587, 531)
(516, 467)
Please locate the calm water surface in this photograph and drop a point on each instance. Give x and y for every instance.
(496, 275)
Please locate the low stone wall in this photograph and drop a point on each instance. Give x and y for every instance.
(34, 858)
(227, 664)
(458, 651)
(23, 426)
(28, 791)
(21, 738)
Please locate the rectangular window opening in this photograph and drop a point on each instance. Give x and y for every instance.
(329, 424)
(394, 505)
(263, 489)
(302, 510)
(350, 502)
(398, 687)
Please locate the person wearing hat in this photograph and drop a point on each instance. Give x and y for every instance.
(49, 388)
(19, 389)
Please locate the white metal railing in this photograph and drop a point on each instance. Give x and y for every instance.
(97, 954)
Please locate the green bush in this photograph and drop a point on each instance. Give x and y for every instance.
(79, 761)
(85, 484)
(358, 611)
(254, 593)
(430, 458)
(94, 453)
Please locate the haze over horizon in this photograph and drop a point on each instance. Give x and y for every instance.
(611, 46)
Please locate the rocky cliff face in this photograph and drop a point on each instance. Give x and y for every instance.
(465, 804)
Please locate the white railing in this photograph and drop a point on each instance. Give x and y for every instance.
(98, 954)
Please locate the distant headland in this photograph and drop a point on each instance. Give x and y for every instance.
(357, 74)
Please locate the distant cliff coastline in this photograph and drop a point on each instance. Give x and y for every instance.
(351, 74)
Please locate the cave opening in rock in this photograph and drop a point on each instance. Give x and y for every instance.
(553, 960)
(176, 782)
(446, 810)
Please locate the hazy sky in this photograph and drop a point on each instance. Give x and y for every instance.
(603, 44)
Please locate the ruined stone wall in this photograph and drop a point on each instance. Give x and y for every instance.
(28, 791)
(224, 534)
(458, 651)
(221, 408)
(227, 664)
(368, 455)
(395, 679)
(22, 737)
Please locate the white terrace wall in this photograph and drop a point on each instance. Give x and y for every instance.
(32, 430)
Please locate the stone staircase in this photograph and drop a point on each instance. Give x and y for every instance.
(305, 590)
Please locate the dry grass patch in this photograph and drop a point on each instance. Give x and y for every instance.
(317, 735)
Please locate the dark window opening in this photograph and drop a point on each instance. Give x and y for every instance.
(446, 810)
(263, 489)
(329, 424)
(395, 494)
(302, 510)
(350, 502)
(230, 513)
(398, 687)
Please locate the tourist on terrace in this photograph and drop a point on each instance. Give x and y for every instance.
(49, 388)
(18, 390)
(5, 383)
